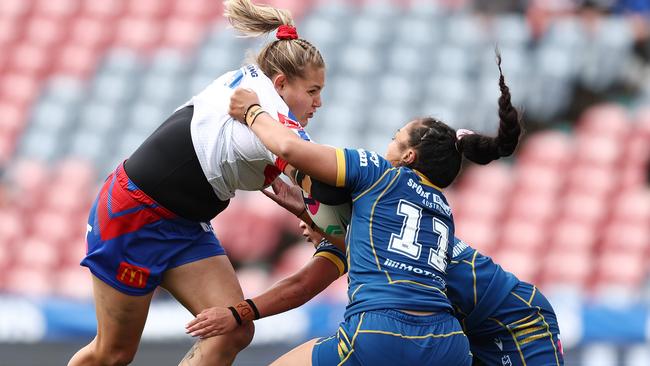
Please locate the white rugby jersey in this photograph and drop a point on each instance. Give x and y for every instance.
(231, 156)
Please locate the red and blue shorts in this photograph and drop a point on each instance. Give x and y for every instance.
(132, 240)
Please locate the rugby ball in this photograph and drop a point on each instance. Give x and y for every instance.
(332, 220)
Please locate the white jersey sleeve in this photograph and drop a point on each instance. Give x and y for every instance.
(230, 154)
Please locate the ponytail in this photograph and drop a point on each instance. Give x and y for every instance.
(289, 54)
(255, 20)
(484, 149)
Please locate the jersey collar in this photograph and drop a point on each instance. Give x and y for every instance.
(425, 181)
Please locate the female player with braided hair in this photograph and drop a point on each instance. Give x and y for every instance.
(149, 226)
(398, 241)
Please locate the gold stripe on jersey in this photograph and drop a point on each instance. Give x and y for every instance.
(430, 335)
(355, 291)
(340, 168)
(424, 180)
(473, 265)
(354, 337)
(521, 355)
(373, 185)
(334, 259)
(372, 215)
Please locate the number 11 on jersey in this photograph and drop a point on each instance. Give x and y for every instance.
(406, 243)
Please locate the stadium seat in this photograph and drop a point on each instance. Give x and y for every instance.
(76, 60)
(32, 282)
(481, 234)
(12, 226)
(253, 281)
(616, 268)
(37, 253)
(552, 148)
(539, 179)
(581, 207)
(74, 282)
(15, 8)
(606, 120)
(472, 204)
(592, 179)
(629, 237)
(601, 151)
(90, 32)
(573, 236)
(522, 236)
(522, 264)
(60, 9)
(566, 268)
(531, 206)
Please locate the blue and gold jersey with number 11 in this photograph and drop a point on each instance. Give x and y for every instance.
(399, 238)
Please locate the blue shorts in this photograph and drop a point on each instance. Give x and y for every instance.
(132, 240)
(391, 337)
(522, 331)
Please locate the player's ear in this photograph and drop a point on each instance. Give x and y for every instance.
(409, 156)
(279, 81)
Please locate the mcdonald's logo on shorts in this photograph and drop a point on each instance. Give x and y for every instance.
(133, 276)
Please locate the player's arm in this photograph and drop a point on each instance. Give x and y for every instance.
(325, 267)
(318, 161)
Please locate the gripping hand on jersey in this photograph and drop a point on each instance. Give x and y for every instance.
(240, 102)
(287, 196)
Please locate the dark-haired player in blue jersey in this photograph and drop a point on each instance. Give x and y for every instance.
(507, 321)
(398, 239)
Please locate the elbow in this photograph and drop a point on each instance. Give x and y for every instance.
(287, 150)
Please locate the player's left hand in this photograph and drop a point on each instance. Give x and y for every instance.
(211, 322)
(240, 101)
(287, 196)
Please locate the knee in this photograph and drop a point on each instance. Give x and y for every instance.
(241, 337)
(115, 357)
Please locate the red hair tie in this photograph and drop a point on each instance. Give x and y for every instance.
(286, 32)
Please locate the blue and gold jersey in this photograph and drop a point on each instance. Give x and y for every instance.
(476, 286)
(398, 239)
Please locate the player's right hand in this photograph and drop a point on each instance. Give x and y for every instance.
(211, 322)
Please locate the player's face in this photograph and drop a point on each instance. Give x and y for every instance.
(302, 95)
(311, 236)
(398, 149)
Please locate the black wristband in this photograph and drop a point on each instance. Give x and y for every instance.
(235, 314)
(252, 304)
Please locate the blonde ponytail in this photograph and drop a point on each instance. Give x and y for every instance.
(290, 56)
(255, 20)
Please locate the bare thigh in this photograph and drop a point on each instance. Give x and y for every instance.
(203, 284)
(120, 319)
(299, 356)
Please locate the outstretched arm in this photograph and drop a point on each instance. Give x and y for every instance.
(318, 161)
(285, 295)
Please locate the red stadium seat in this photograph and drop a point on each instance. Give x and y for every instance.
(44, 31)
(494, 179)
(76, 173)
(10, 31)
(598, 150)
(53, 227)
(148, 8)
(628, 237)
(12, 226)
(480, 234)
(15, 8)
(633, 205)
(182, 33)
(90, 32)
(606, 120)
(474, 204)
(201, 10)
(34, 252)
(30, 59)
(583, 207)
(534, 207)
(74, 282)
(539, 178)
(138, 33)
(596, 180)
(566, 268)
(59, 9)
(19, 87)
(551, 148)
(76, 60)
(616, 268)
(29, 281)
(105, 9)
(13, 119)
(523, 264)
(253, 281)
(523, 236)
(573, 236)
